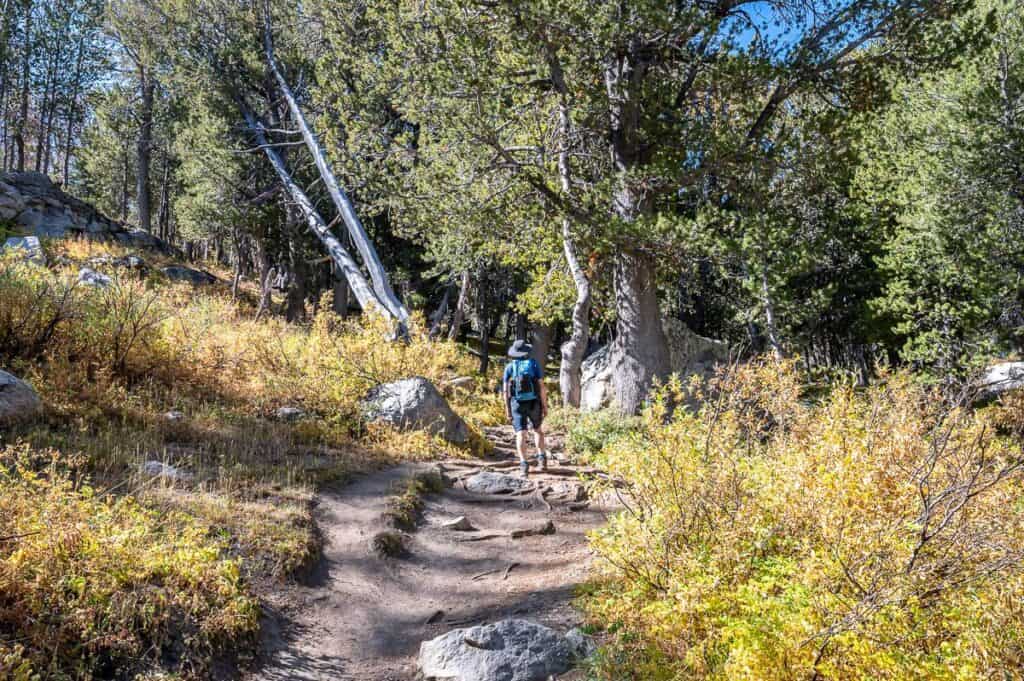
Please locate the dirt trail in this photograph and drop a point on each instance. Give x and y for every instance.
(362, 618)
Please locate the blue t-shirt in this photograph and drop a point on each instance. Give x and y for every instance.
(532, 369)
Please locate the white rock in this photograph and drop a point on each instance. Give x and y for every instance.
(460, 524)
(90, 277)
(489, 482)
(510, 650)
(289, 414)
(158, 469)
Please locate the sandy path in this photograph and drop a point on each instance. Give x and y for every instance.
(361, 618)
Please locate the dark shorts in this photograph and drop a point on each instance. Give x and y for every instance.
(526, 415)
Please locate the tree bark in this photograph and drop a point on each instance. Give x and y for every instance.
(639, 354)
(368, 300)
(381, 284)
(341, 293)
(770, 327)
(569, 373)
(460, 308)
(437, 319)
(541, 336)
(147, 87)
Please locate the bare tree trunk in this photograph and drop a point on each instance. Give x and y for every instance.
(360, 287)
(72, 111)
(164, 216)
(771, 330)
(460, 308)
(381, 285)
(639, 353)
(295, 306)
(142, 196)
(570, 374)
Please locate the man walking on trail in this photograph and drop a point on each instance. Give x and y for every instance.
(526, 402)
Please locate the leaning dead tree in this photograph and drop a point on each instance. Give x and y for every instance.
(364, 293)
(381, 285)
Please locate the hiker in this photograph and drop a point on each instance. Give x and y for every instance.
(526, 402)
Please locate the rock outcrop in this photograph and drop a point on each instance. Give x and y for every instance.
(414, 404)
(18, 400)
(489, 482)
(690, 354)
(510, 650)
(39, 208)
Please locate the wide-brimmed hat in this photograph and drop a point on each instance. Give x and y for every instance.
(520, 349)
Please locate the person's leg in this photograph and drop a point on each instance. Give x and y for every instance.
(537, 421)
(519, 426)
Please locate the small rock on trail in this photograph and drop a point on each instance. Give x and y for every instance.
(489, 482)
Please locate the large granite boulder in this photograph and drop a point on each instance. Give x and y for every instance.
(18, 400)
(188, 274)
(414, 404)
(510, 650)
(1000, 378)
(689, 354)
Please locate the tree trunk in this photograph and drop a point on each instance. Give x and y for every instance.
(342, 258)
(541, 337)
(437, 319)
(145, 143)
(164, 216)
(485, 346)
(124, 182)
(295, 307)
(381, 285)
(341, 293)
(639, 353)
(266, 273)
(460, 308)
(770, 327)
(569, 375)
(26, 60)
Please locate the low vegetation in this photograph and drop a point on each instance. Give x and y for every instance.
(105, 570)
(871, 533)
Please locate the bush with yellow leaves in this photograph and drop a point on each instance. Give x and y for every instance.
(104, 582)
(870, 534)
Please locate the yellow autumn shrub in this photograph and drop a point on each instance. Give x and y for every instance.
(868, 534)
(92, 584)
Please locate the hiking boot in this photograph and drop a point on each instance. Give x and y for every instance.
(542, 461)
(524, 469)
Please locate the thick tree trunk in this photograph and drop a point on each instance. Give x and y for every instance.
(459, 315)
(145, 144)
(295, 306)
(266, 274)
(342, 258)
(639, 353)
(541, 336)
(381, 284)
